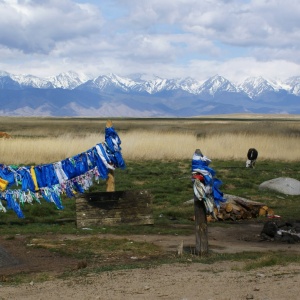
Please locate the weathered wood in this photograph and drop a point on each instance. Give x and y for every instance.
(243, 208)
(247, 215)
(236, 207)
(109, 124)
(110, 181)
(220, 216)
(228, 207)
(227, 216)
(263, 211)
(248, 204)
(200, 223)
(239, 209)
(200, 227)
(114, 208)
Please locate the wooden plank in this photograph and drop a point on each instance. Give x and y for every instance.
(114, 208)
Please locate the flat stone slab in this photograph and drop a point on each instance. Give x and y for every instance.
(284, 185)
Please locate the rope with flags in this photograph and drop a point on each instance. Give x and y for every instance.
(29, 184)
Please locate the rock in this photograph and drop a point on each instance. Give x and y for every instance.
(284, 185)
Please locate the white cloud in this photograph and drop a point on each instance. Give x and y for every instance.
(38, 26)
(233, 38)
(239, 69)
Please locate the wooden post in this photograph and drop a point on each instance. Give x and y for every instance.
(200, 227)
(200, 223)
(110, 181)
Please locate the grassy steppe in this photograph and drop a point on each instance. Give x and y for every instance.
(158, 155)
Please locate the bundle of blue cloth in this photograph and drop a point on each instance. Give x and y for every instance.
(69, 176)
(200, 164)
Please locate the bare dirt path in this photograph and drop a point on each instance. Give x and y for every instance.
(180, 281)
(177, 281)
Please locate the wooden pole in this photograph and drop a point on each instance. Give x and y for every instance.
(200, 223)
(200, 227)
(110, 181)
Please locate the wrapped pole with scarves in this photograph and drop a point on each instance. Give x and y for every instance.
(207, 197)
(29, 184)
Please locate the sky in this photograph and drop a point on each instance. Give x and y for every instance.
(167, 38)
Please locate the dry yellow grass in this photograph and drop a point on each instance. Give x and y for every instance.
(44, 150)
(46, 140)
(170, 145)
(148, 145)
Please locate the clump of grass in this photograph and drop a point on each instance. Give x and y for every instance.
(26, 278)
(263, 262)
(250, 260)
(271, 259)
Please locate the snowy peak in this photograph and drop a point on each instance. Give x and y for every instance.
(189, 85)
(157, 85)
(7, 82)
(3, 73)
(32, 81)
(217, 84)
(151, 86)
(256, 86)
(110, 82)
(122, 81)
(67, 80)
(294, 85)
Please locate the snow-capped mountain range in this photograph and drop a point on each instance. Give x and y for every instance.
(73, 94)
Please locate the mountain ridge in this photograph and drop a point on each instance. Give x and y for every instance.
(83, 95)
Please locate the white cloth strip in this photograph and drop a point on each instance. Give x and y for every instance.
(103, 158)
(60, 173)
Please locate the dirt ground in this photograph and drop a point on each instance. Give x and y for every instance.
(183, 281)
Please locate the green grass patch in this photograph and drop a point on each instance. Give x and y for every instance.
(250, 260)
(271, 259)
(91, 247)
(170, 184)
